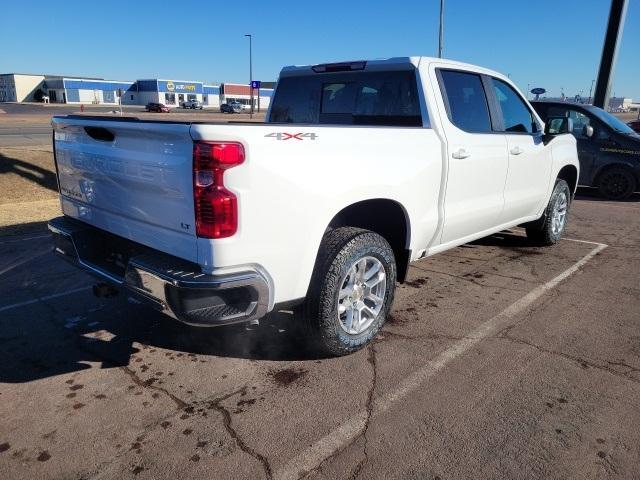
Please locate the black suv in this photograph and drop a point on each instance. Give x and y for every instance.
(609, 150)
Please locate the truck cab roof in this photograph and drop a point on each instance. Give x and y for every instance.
(391, 63)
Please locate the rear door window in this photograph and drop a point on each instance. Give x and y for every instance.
(466, 101)
(363, 98)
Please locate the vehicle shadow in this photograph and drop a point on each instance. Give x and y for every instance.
(28, 171)
(37, 345)
(504, 239)
(55, 336)
(590, 194)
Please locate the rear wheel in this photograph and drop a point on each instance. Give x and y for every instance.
(616, 183)
(351, 290)
(550, 228)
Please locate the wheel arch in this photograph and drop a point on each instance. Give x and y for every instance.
(386, 217)
(569, 173)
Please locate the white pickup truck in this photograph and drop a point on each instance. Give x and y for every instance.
(359, 169)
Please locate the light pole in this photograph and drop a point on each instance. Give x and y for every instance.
(441, 34)
(590, 90)
(250, 74)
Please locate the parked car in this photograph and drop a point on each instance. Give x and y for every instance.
(231, 107)
(157, 107)
(609, 150)
(193, 104)
(635, 125)
(360, 168)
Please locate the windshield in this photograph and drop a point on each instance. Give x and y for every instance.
(612, 121)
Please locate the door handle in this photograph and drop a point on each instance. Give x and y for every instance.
(460, 154)
(516, 151)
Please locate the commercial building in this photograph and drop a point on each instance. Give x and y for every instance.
(19, 87)
(235, 92)
(171, 92)
(85, 90)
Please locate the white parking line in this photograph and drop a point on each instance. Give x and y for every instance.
(588, 242)
(24, 239)
(324, 448)
(21, 261)
(45, 298)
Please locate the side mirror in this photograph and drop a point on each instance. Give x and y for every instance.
(587, 131)
(558, 126)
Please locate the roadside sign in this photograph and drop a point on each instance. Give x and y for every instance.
(538, 91)
(256, 83)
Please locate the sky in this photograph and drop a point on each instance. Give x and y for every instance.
(554, 44)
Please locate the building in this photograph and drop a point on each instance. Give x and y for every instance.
(19, 87)
(620, 104)
(616, 104)
(173, 93)
(230, 92)
(85, 90)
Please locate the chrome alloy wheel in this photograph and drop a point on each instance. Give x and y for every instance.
(361, 295)
(559, 214)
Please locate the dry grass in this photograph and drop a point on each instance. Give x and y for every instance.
(28, 189)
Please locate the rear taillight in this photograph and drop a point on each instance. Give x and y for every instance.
(216, 207)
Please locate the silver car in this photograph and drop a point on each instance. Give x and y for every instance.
(192, 104)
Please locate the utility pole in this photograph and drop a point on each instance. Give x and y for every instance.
(612, 38)
(441, 35)
(590, 91)
(250, 74)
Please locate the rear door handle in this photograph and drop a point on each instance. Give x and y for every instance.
(460, 154)
(516, 151)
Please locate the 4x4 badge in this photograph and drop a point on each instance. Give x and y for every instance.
(289, 136)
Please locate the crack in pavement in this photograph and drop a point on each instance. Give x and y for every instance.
(181, 404)
(372, 359)
(530, 312)
(126, 369)
(99, 468)
(355, 472)
(621, 363)
(226, 418)
(584, 363)
(147, 384)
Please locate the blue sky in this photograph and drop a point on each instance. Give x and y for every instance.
(549, 43)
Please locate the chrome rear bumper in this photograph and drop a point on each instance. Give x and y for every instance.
(176, 287)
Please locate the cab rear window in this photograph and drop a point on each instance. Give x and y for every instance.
(349, 98)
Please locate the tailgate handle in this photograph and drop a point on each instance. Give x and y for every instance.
(100, 133)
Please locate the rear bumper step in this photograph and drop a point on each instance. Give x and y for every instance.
(176, 287)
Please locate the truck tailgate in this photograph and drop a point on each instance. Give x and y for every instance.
(131, 178)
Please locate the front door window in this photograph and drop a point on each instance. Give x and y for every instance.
(516, 115)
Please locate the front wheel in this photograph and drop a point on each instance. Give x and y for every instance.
(550, 228)
(351, 291)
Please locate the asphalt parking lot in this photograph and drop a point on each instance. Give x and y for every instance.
(500, 360)
(29, 124)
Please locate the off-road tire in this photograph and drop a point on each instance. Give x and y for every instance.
(541, 232)
(339, 249)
